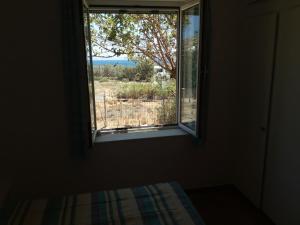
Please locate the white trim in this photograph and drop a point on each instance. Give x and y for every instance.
(131, 9)
(178, 56)
(187, 129)
(179, 71)
(157, 3)
(190, 4)
(180, 124)
(140, 135)
(85, 3)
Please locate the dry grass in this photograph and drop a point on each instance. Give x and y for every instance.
(112, 112)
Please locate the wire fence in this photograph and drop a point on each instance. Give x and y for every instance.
(115, 113)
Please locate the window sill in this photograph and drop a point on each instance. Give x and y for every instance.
(137, 135)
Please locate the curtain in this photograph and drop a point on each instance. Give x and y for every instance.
(76, 81)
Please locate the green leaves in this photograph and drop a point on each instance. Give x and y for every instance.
(144, 36)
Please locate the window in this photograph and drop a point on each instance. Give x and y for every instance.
(135, 68)
(145, 68)
(189, 73)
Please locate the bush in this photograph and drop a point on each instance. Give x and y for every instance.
(101, 79)
(167, 89)
(109, 71)
(136, 90)
(167, 112)
(127, 73)
(145, 70)
(142, 72)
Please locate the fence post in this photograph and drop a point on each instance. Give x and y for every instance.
(104, 99)
(164, 109)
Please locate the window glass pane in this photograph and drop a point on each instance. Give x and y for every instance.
(189, 66)
(89, 68)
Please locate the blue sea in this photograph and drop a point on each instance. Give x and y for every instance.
(114, 62)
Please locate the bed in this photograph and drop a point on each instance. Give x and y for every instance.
(158, 204)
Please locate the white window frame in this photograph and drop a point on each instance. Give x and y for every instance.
(196, 133)
(202, 71)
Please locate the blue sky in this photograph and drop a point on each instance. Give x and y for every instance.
(192, 28)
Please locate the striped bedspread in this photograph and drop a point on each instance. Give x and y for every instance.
(159, 204)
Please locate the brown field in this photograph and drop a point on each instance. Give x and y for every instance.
(112, 112)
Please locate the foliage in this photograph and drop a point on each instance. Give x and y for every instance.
(190, 77)
(137, 90)
(145, 70)
(142, 72)
(167, 89)
(139, 36)
(167, 112)
(108, 71)
(101, 79)
(128, 73)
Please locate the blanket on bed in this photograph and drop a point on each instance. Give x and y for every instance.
(159, 204)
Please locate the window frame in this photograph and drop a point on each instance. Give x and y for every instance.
(202, 61)
(201, 72)
(90, 77)
(154, 10)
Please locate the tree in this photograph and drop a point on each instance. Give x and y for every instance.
(145, 70)
(139, 36)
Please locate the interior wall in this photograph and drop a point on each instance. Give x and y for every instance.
(262, 22)
(255, 69)
(282, 177)
(34, 149)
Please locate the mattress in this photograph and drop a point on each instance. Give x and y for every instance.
(159, 204)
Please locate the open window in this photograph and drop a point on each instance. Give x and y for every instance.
(190, 68)
(123, 98)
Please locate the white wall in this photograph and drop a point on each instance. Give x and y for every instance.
(34, 148)
(278, 180)
(282, 180)
(256, 51)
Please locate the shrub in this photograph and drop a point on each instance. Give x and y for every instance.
(142, 72)
(110, 71)
(167, 112)
(138, 90)
(167, 89)
(145, 70)
(101, 79)
(127, 73)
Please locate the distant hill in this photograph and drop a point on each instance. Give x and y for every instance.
(113, 62)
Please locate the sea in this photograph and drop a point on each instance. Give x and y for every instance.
(115, 62)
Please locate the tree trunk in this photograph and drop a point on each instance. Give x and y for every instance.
(173, 73)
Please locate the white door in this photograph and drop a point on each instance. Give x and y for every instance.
(256, 60)
(281, 199)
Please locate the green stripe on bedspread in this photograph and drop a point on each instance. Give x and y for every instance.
(146, 206)
(159, 204)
